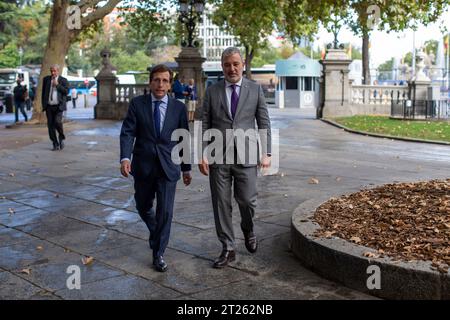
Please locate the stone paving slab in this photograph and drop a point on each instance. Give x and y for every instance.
(120, 288)
(9, 236)
(15, 288)
(52, 276)
(25, 217)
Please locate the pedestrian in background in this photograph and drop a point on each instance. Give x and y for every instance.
(74, 97)
(191, 99)
(20, 96)
(178, 89)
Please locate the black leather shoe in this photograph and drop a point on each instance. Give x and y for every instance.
(61, 144)
(55, 147)
(250, 242)
(160, 264)
(226, 257)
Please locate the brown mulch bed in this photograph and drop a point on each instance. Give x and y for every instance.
(405, 221)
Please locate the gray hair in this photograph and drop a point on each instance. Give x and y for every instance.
(230, 51)
(55, 66)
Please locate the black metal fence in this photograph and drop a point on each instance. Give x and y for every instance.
(421, 109)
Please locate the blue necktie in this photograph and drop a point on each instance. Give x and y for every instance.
(157, 118)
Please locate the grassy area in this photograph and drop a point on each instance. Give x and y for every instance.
(429, 130)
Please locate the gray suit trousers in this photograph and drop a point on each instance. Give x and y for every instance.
(242, 180)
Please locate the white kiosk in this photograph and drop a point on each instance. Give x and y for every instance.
(298, 85)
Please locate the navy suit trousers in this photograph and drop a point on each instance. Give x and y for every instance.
(158, 221)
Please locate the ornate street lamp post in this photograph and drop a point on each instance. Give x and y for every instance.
(191, 13)
(190, 60)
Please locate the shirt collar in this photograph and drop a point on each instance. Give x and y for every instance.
(239, 83)
(164, 100)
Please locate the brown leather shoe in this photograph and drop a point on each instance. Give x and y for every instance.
(226, 257)
(250, 242)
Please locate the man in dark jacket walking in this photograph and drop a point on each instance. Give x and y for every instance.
(54, 96)
(20, 92)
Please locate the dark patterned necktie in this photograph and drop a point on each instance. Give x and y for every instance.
(234, 100)
(157, 118)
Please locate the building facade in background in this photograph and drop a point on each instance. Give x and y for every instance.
(212, 39)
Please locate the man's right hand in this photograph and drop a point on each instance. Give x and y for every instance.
(204, 167)
(125, 168)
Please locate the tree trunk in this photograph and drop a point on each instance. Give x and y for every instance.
(58, 44)
(365, 58)
(248, 62)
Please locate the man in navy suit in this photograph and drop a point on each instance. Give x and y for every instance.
(146, 133)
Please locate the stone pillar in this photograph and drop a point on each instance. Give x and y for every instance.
(335, 96)
(190, 66)
(106, 90)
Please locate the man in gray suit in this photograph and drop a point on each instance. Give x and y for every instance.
(232, 105)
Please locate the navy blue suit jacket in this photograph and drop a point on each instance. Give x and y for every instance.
(138, 137)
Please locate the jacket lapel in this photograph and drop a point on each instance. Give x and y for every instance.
(223, 99)
(148, 111)
(169, 117)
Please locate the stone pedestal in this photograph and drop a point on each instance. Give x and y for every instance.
(106, 107)
(420, 89)
(335, 88)
(420, 82)
(190, 67)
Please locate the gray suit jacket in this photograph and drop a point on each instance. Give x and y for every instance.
(251, 113)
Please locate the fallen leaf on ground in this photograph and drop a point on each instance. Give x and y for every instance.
(355, 239)
(369, 254)
(328, 234)
(313, 181)
(40, 248)
(87, 260)
(26, 271)
(11, 211)
(11, 174)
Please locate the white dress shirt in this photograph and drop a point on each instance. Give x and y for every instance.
(53, 94)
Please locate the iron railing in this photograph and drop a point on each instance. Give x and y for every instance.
(420, 109)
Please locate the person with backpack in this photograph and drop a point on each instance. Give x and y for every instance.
(20, 96)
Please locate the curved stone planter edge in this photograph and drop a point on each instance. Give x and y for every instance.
(342, 261)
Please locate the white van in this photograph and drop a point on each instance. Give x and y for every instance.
(8, 82)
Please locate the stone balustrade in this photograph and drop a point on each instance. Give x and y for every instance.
(126, 92)
(376, 94)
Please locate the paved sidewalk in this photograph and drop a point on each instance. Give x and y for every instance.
(74, 203)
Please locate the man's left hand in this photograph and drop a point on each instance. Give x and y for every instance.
(187, 178)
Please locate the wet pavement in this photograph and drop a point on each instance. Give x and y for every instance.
(81, 111)
(58, 207)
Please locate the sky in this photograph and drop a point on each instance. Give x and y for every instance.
(385, 45)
